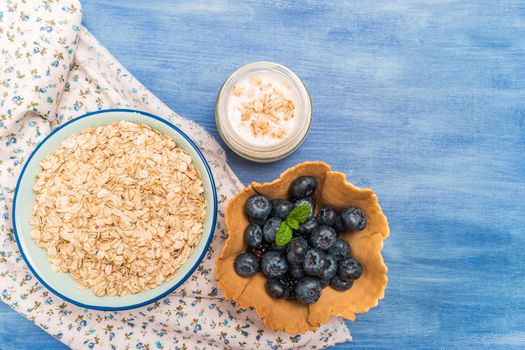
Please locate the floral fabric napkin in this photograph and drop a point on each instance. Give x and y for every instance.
(52, 70)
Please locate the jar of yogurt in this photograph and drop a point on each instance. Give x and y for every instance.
(263, 112)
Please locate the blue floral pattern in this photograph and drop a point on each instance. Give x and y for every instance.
(52, 71)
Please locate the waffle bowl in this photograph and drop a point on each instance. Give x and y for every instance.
(292, 316)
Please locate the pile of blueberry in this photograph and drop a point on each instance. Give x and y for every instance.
(314, 257)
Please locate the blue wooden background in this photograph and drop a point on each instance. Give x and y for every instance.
(422, 100)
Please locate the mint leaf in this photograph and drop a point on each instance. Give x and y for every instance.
(283, 235)
(296, 217)
(292, 223)
(300, 213)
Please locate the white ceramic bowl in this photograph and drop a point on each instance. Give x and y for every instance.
(62, 284)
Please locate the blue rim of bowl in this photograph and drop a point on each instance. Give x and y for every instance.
(190, 272)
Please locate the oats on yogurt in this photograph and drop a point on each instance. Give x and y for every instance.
(120, 207)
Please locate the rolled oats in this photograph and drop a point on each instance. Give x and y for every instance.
(265, 112)
(120, 207)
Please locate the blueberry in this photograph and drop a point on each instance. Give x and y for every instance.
(296, 250)
(273, 264)
(308, 290)
(281, 208)
(327, 215)
(296, 271)
(305, 201)
(323, 237)
(349, 269)
(253, 235)
(307, 227)
(246, 264)
(257, 221)
(340, 250)
(270, 229)
(314, 262)
(331, 270)
(353, 219)
(279, 248)
(324, 282)
(341, 285)
(276, 288)
(338, 225)
(258, 207)
(312, 201)
(303, 187)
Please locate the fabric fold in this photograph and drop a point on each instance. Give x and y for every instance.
(37, 95)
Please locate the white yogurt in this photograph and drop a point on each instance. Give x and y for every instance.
(263, 111)
(247, 91)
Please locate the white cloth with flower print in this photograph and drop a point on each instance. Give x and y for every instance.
(53, 70)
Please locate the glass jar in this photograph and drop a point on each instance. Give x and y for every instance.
(237, 135)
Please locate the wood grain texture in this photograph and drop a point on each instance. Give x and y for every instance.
(422, 100)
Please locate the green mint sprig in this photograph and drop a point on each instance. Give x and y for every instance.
(283, 235)
(292, 222)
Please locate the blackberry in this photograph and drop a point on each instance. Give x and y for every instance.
(290, 283)
(264, 248)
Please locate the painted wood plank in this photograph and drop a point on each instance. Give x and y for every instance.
(423, 101)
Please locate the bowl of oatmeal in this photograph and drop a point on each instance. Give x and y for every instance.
(114, 209)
